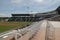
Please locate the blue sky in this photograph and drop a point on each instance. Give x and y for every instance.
(7, 7)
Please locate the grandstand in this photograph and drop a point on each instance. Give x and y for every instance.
(23, 17)
(34, 16)
(58, 10)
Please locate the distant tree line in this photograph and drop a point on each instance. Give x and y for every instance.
(4, 18)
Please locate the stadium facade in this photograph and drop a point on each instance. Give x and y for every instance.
(34, 17)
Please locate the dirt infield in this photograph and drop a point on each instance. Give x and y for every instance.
(13, 23)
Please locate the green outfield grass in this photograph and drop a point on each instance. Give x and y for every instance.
(5, 26)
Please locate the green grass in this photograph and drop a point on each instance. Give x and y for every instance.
(5, 26)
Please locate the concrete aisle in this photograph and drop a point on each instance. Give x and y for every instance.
(41, 33)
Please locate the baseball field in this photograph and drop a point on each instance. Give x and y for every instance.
(5, 26)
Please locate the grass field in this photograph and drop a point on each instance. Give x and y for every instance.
(5, 26)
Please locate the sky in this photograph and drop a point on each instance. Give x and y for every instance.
(7, 7)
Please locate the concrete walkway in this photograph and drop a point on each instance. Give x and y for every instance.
(41, 33)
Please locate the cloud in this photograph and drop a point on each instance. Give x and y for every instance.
(37, 5)
(45, 2)
(16, 1)
(39, 1)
